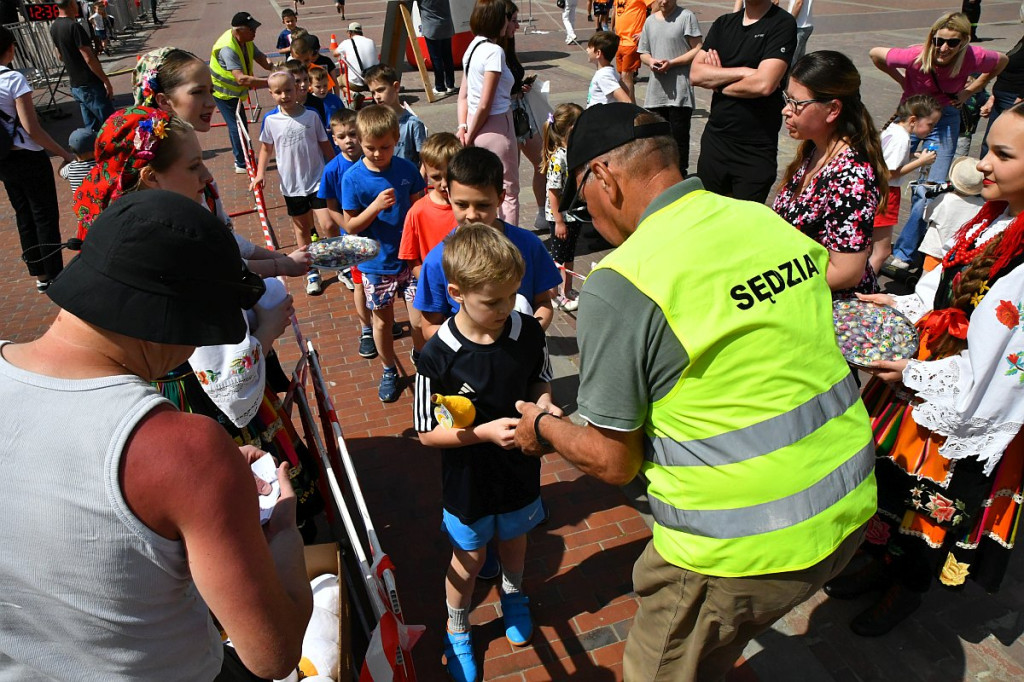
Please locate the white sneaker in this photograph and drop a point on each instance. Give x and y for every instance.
(569, 40)
(899, 264)
(439, 93)
(346, 278)
(452, 91)
(570, 304)
(313, 284)
(240, 170)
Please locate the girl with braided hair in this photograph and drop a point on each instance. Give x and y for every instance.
(948, 425)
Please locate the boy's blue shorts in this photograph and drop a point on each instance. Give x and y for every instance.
(505, 526)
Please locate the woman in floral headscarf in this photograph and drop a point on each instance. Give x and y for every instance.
(178, 82)
(142, 148)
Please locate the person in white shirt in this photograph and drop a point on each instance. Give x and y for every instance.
(359, 53)
(605, 85)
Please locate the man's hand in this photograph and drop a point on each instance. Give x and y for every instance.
(108, 86)
(525, 436)
(711, 58)
(501, 432)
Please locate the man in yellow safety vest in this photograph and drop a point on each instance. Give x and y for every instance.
(726, 391)
(231, 66)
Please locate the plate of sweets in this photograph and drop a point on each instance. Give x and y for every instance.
(338, 253)
(867, 332)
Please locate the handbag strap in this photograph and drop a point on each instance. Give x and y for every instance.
(12, 121)
(469, 59)
(359, 61)
(952, 96)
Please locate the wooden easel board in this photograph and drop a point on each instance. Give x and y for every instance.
(398, 29)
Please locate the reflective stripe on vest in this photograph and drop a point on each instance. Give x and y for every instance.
(224, 84)
(788, 511)
(761, 438)
(760, 458)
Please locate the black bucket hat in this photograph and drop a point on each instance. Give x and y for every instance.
(159, 267)
(599, 130)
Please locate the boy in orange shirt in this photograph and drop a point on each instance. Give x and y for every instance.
(429, 220)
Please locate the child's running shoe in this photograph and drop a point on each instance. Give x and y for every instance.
(314, 286)
(367, 348)
(396, 330)
(515, 611)
(346, 278)
(458, 656)
(388, 390)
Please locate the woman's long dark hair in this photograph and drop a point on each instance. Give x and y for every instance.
(831, 75)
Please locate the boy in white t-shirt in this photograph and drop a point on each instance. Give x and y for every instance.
(296, 136)
(605, 86)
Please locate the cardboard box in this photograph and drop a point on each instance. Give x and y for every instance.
(326, 558)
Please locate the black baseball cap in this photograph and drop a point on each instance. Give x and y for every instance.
(159, 267)
(245, 19)
(599, 130)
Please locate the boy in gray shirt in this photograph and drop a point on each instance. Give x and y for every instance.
(670, 40)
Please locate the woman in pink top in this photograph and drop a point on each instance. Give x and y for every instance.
(940, 68)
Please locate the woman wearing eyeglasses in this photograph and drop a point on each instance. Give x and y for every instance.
(831, 189)
(940, 68)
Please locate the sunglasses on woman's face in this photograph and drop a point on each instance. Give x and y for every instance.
(952, 42)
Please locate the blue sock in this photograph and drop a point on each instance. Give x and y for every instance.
(366, 330)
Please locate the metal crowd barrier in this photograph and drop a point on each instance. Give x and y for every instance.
(35, 56)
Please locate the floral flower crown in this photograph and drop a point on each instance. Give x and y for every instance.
(147, 137)
(149, 84)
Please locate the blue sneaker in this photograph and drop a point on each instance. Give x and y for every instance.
(388, 390)
(515, 611)
(458, 656)
(492, 566)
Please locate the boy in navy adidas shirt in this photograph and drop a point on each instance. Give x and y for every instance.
(493, 355)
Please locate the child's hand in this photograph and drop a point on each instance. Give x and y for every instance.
(385, 199)
(501, 432)
(927, 158)
(561, 231)
(256, 182)
(297, 263)
(879, 299)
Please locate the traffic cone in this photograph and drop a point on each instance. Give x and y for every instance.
(334, 43)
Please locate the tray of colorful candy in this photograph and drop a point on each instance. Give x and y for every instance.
(867, 332)
(338, 253)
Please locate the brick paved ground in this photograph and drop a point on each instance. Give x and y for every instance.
(578, 570)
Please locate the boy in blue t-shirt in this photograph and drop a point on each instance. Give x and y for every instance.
(476, 191)
(284, 40)
(376, 193)
(382, 80)
(494, 356)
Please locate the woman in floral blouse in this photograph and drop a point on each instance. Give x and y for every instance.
(831, 189)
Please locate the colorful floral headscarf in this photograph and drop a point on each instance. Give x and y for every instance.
(145, 83)
(126, 143)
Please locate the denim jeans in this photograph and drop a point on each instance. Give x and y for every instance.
(1004, 100)
(440, 52)
(944, 135)
(227, 109)
(802, 35)
(95, 105)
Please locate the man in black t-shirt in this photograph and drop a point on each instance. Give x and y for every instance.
(744, 60)
(89, 84)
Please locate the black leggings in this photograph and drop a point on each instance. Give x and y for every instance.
(440, 52)
(28, 178)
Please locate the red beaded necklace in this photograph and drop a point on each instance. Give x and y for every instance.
(961, 253)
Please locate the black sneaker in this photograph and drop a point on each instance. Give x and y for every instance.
(397, 330)
(367, 348)
(892, 609)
